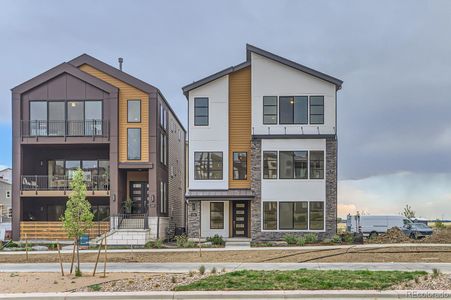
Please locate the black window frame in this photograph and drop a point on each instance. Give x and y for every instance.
(208, 165)
(223, 215)
(293, 162)
(316, 114)
(163, 148)
(196, 115)
(276, 215)
(128, 143)
(293, 205)
(233, 165)
(265, 165)
(313, 165)
(293, 111)
(276, 114)
(310, 216)
(128, 110)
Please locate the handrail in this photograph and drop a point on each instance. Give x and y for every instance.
(62, 183)
(65, 128)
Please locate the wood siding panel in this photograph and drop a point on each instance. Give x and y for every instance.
(127, 92)
(240, 122)
(41, 230)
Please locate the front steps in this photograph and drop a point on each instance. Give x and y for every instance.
(238, 243)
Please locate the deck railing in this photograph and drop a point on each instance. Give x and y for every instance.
(130, 221)
(62, 183)
(65, 128)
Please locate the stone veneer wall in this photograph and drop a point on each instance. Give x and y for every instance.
(193, 218)
(331, 193)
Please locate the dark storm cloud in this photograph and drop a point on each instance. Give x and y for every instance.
(394, 58)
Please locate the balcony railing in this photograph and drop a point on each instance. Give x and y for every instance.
(62, 183)
(65, 128)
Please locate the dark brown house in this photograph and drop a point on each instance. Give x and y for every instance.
(118, 129)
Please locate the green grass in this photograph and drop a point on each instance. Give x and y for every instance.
(301, 280)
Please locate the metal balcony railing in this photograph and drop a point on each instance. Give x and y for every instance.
(130, 221)
(65, 128)
(62, 183)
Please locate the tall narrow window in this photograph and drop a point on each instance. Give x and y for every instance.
(216, 215)
(134, 143)
(316, 109)
(208, 166)
(269, 164)
(93, 117)
(293, 215)
(163, 198)
(38, 118)
(316, 215)
(293, 164)
(75, 118)
(269, 215)
(57, 118)
(270, 110)
(293, 109)
(163, 148)
(239, 165)
(201, 111)
(316, 164)
(134, 111)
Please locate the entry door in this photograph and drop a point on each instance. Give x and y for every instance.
(138, 195)
(240, 219)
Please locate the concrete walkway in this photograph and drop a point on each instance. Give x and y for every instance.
(235, 249)
(186, 267)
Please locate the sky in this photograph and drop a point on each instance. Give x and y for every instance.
(394, 111)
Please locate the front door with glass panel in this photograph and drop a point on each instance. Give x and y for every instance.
(240, 211)
(139, 191)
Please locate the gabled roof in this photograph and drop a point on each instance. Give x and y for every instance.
(61, 69)
(269, 55)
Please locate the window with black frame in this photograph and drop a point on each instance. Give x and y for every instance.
(293, 164)
(57, 118)
(316, 164)
(133, 143)
(216, 215)
(134, 111)
(208, 166)
(239, 165)
(269, 109)
(316, 109)
(270, 215)
(293, 215)
(201, 111)
(269, 164)
(316, 215)
(38, 118)
(293, 110)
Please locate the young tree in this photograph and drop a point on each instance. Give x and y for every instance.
(78, 217)
(408, 212)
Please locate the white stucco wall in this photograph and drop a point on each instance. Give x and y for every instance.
(293, 189)
(205, 220)
(270, 78)
(213, 137)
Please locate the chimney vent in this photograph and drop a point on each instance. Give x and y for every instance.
(120, 60)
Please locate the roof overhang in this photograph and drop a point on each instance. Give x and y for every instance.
(204, 195)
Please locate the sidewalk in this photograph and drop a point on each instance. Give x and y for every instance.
(186, 267)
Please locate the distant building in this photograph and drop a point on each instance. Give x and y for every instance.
(5, 201)
(6, 174)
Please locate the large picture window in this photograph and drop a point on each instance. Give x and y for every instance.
(38, 118)
(269, 215)
(134, 111)
(293, 164)
(316, 164)
(93, 117)
(134, 143)
(270, 110)
(201, 111)
(208, 166)
(239, 165)
(316, 109)
(293, 110)
(57, 117)
(316, 215)
(269, 164)
(216, 215)
(293, 215)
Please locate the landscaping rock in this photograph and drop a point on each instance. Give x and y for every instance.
(279, 244)
(39, 248)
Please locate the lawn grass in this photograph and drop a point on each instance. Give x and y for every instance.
(301, 280)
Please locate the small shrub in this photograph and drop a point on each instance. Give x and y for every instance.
(190, 273)
(290, 239)
(182, 241)
(435, 272)
(439, 224)
(300, 241)
(216, 240)
(223, 270)
(202, 270)
(95, 287)
(336, 239)
(417, 279)
(157, 244)
(311, 238)
(173, 279)
(347, 238)
(77, 272)
(214, 271)
(11, 244)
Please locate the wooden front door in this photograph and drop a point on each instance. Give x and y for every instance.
(138, 194)
(240, 218)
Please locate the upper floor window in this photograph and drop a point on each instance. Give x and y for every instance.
(163, 197)
(239, 165)
(163, 117)
(316, 164)
(163, 148)
(134, 143)
(208, 166)
(316, 109)
(134, 111)
(293, 164)
(270, 110)
(201, 111)
(270, 164)
(38, 118)
(293, 110)
(57, 116)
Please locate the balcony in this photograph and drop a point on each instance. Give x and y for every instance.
(65, 128)
(57, 186)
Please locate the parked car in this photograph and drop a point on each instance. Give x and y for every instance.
(374, 225)
(417, 230)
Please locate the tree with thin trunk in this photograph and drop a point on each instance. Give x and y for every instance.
(78, 217)
(408, 212)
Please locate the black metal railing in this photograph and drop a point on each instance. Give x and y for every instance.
(64, 128)
(62, 183)
(130, 221)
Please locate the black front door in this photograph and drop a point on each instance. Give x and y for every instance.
(240, 210)
(139, 191)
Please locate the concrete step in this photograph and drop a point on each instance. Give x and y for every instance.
(237, 244)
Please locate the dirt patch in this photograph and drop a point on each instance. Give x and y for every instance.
(393, 235)
(440, 236)
(428, 282)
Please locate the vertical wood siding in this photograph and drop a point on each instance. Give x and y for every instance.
(240, 122)
(127, 92)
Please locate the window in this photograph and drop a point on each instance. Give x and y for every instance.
(93, 117)
(200, 111)
(55, 212)
(57, 118)
(316, 215)
(293, 215)
(75, 116)
(270, 110)
(269, 164)
(163, 117)
(316, 109)
(216, 215)
(71, 166)
(163, 148)
(316, 164)
(293, 164)
(239, 165)
(134, 143)
(8, 194)
(269, 215)
(101, 212)
(134, 111)
(293, 110)
(208, 165)
(163, 198)
(38, 118)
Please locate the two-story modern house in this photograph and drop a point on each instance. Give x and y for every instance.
(118, 129)
(262, 150)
